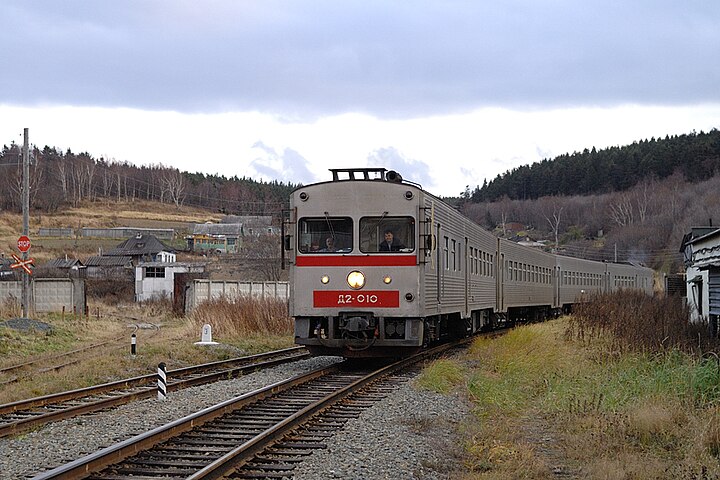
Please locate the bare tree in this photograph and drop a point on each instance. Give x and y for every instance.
(555, 222)
(621, 212)
(62, 174)
(262, 253)
(89, 176)
(172, 186)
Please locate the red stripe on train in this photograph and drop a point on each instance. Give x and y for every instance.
(356, 261)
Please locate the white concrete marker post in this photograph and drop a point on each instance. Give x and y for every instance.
(206, 338)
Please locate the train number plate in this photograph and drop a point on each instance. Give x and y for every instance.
(340, 298)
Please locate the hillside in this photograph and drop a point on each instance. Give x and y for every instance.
(696, 156)
(644, 224)
(108, 214)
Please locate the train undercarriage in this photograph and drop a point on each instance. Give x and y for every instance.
(362, 334)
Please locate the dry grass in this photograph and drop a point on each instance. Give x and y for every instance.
(591, 406)
(161, 338)
(242, 316)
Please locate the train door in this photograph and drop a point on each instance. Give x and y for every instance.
(556, 287)
(467, 279)
(500, 280)
(440, 269)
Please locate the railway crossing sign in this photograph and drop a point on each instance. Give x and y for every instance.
(24, 264)
(23, 243)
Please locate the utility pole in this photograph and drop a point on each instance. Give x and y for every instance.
(26, 219)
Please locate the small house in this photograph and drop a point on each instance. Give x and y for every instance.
(143, 248)
(109, 267)
(158, 279)
(701, 255)
(62, 267)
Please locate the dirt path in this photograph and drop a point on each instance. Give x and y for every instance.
(545, 440)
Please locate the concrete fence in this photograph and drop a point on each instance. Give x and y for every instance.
(203, 290)
(49, 294)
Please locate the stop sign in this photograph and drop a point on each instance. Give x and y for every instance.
(23, 243)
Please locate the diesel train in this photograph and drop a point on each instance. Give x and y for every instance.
(378, 267)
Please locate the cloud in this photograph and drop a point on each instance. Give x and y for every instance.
(303, 60)
(288, 166)
(412, 170)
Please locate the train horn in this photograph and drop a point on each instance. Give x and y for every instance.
(393, 176)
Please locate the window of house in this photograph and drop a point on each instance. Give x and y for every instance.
(155, 272)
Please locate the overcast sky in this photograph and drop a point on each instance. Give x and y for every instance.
(448, 93)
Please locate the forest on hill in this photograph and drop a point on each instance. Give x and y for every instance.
(696, 156)
(60, 179)
(644, 224)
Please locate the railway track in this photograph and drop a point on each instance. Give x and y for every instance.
(38, 366)
(262, 434)
(18, 417)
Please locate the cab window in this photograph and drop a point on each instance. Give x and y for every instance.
(325, 235)
(387, 234)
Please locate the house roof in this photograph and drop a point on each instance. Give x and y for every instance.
(250, 221)
(64, 263)
(109, 261)
(703, 233)
(227, 229)
(193, 265)
(140, 244)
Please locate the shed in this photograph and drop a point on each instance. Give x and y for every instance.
(62, 267)
(157, 279)
(701, 254)
(115, 266)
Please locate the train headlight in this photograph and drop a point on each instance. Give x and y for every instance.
(324, 279)
(356, 279)
(387, 279)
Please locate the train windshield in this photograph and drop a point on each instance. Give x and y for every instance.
(325, 235)
(387, 234)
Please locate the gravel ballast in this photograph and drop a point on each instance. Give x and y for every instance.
(411, 434)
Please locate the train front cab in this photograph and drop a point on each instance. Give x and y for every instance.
(355, 299)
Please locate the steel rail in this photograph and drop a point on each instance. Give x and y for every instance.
(21, 367)
(118, 452)
(236, 457)
(249, 364)
(245, 452)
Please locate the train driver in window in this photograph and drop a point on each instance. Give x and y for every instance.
(329, 245)
(390, 243)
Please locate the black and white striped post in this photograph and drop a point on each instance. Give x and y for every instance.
(133, 345)
(162, 382)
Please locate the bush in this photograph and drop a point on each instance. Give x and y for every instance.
(112, 291)
(633, 321)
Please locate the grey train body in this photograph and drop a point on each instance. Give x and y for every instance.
(444, 277)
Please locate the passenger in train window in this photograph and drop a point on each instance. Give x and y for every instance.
(329, 245)
(390, 244)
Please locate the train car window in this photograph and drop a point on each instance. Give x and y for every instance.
(453, 254)
(387, 234)
(446, 251)
(325, 235)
